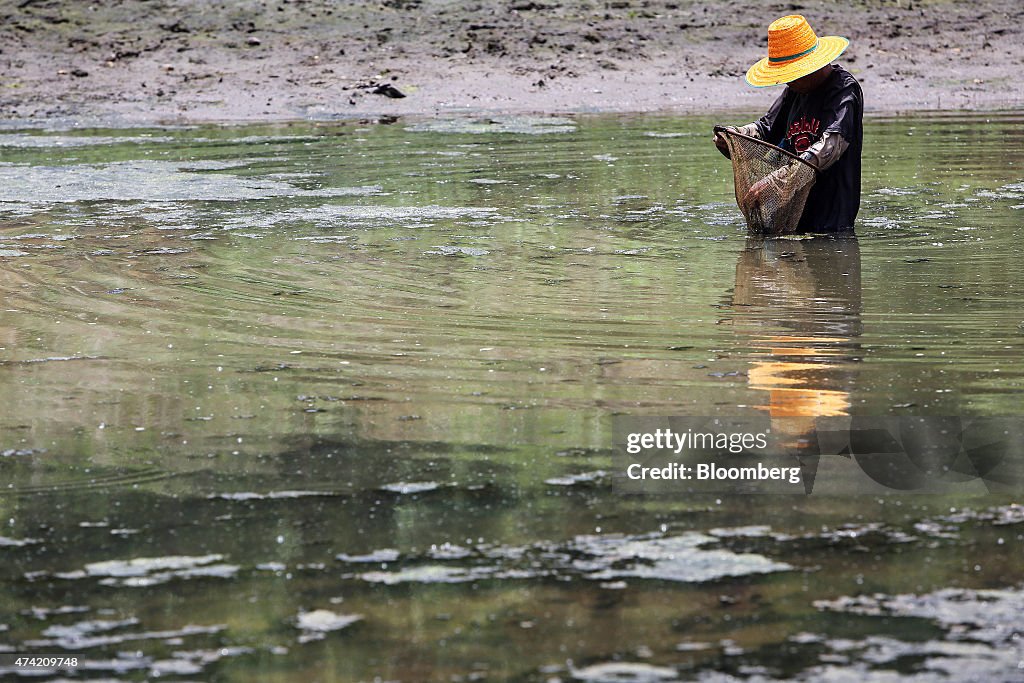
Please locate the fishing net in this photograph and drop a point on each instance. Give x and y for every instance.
(771, 184)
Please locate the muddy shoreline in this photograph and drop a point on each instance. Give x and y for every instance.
(140, 63)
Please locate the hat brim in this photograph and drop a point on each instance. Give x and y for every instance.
(765, 73)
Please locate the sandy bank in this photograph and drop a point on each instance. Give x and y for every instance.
(153, 62)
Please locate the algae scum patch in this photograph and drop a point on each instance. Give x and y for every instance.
(600, 558)
(288, 402)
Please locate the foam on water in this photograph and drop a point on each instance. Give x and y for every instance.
(149, 571)
(449, 250)
(518, 125)
(316, 624)
(624, 672)
(148, 181)
(47, 141)
(682, 558)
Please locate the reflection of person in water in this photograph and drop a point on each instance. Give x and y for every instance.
(800, 303)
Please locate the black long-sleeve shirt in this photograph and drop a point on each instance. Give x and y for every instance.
(796, 121)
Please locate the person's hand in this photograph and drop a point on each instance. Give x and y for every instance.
(752, 198)
(722, 144)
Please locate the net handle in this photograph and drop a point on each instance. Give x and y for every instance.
(729, 131)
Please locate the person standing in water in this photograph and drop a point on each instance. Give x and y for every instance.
(819, 116)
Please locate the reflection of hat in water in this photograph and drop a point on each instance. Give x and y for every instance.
(794, 51)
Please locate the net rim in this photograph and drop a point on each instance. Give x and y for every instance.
(729, 131)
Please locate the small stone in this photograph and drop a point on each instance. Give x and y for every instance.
(388, 90)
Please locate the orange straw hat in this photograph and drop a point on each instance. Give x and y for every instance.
(794, 51)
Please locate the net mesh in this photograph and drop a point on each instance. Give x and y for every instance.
(771, 184)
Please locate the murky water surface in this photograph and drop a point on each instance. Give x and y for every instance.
(333, 403)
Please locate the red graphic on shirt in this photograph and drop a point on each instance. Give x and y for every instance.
(803, 133)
